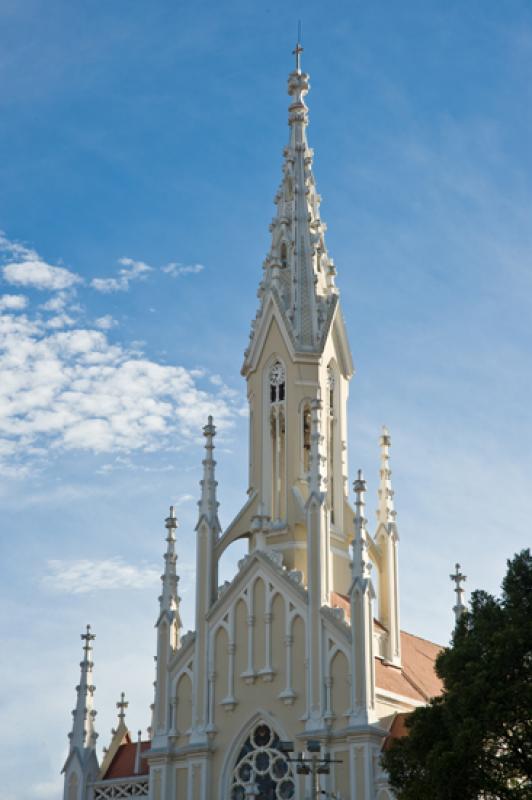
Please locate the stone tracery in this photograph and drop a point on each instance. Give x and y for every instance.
(261, 762)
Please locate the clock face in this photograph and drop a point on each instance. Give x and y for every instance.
(277, 374)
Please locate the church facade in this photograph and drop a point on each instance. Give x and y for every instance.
(297, 673)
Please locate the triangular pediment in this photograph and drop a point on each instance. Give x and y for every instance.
(272, 313)
(259, 561)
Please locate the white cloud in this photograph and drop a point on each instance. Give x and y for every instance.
(60, 321)
(131, 271)
(58, 302)
(86, 575)
(13, 302)
(106, 322)
(39, 275)
(175, 269)
(66, 389)
(25, 267)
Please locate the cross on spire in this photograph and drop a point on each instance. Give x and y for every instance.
(122, 705)
(299, 47)
(87, 637)
(458, 579)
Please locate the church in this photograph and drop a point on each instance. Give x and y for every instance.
(297, 674)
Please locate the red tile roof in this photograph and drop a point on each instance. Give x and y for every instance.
(398, 729)
(416, 678)
(123, 764)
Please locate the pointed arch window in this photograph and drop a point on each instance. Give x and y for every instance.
(277, 391)
(262, 763)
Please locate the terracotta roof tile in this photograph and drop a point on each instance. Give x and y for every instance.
(398, 729)
(123, 764)
(417, 678)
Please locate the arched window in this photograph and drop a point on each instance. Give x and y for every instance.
(262, 763)
(277, 380)
(331, 454)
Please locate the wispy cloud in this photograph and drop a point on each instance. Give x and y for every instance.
(131, 271)
(88, 575)
(176, 270)
(106, 322)
(25, 267)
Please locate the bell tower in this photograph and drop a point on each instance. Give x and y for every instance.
(298, 359)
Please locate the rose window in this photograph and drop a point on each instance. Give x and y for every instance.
(261, 762)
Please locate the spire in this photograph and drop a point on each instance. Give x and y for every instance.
(387, 540)
(361, 596)
(316, 458)
(298, 269)
(361, 562)
(459, 608)
(83, 736)
(169, 599)
(208, 504)
(385, 513)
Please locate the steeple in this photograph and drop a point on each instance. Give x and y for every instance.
(298, 269)
(458, 579)
(83, 736)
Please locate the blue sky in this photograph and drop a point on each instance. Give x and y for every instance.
(140, 150)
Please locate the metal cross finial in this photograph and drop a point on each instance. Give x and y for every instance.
(458, 578)
(299, 48)
(122, 705)
(87, 638)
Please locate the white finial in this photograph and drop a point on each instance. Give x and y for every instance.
(361, 562)
(138, 753)
(315, 456)
(385, 512)
(169, 598)
(208, 504)
(121, 706)
(458, 579)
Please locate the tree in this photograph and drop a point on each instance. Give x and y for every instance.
(475, 741)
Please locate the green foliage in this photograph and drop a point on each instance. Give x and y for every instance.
(475, 741)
